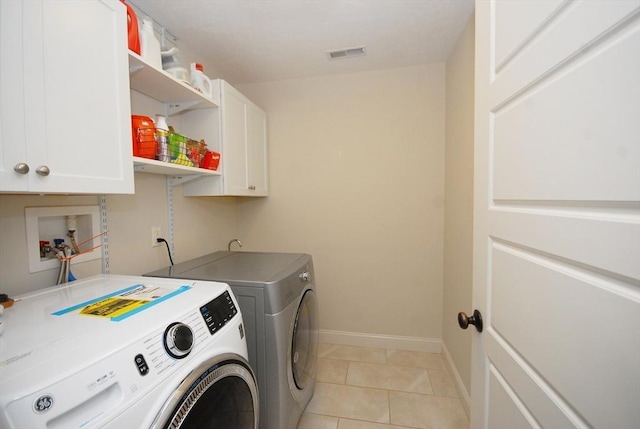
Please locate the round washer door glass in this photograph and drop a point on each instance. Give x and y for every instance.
(304, 348)
(223, 395)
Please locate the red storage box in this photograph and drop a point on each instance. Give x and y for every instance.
(211, 160)
(144, 136)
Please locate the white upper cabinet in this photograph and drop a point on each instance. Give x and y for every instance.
(243, 147)
(244, 128)
(256, 128)
(65, 123)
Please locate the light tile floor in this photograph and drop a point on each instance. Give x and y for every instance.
(374, 388)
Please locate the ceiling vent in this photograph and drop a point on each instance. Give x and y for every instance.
(347, 53)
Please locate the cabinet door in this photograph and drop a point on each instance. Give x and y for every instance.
(243, 146)
(234, 141)
(76, 97)
(256, 150)
(12, 133)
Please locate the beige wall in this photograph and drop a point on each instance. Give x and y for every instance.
(356, 164)
(458, 230)
(201, 226)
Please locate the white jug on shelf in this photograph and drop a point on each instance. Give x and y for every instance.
(149, 45)
(200, 81)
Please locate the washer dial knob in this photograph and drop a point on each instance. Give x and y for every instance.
(178, 340)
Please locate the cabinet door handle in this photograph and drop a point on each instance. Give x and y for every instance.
(21, 168)
(43, 170)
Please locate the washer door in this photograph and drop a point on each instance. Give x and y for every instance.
(304, 346)
(219, 393)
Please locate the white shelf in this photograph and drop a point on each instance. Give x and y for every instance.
(160, 85)
(180, 173)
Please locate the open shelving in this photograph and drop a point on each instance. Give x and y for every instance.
(178, 96)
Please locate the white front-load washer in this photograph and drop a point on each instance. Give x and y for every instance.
(126, 352)
(277, 296)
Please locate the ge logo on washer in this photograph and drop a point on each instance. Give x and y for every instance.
(43, 404)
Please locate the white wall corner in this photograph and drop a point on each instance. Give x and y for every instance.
(462, 390)
(418, 344)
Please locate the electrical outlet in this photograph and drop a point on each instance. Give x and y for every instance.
(156, 233)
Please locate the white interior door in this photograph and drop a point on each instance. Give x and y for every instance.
(557, 215)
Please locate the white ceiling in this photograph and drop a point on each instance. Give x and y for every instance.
(262, 40)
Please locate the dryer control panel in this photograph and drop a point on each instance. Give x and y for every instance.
(218, 312)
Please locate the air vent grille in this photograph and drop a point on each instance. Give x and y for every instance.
(347, 53)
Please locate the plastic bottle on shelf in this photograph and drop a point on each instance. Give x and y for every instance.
(162, 136)
(200, 81)
(149, 45)
(132, 29)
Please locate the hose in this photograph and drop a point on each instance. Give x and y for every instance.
(65, 265)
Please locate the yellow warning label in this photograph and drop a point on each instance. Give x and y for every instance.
(113, 307)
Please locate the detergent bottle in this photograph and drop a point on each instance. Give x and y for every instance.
(200, 81)
(162, 136)
(149, 45)
(132, 29)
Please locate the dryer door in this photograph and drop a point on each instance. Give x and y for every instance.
(304, 347)
(219, 393)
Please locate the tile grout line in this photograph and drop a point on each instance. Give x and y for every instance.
(386, 363)
(438, 395)
(389, 404)
(346, 374)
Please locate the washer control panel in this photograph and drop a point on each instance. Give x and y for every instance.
(178, 340)
(141, 363)
(218, 312)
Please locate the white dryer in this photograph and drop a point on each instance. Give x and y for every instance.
(126, 352)
(277, 296)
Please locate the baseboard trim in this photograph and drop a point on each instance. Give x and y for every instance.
(462, 391)
(416, 344)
